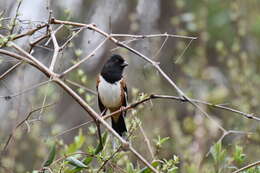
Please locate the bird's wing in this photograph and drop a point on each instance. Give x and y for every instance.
(124, 93)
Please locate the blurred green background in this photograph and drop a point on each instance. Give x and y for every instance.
(222, 66)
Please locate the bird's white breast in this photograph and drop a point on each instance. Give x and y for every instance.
(110, 94)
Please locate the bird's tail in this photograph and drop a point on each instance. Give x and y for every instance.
(118, 124)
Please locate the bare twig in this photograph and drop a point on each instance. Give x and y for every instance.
(108, 159)
(22, 122)
(32, 44)
(15, 17)
(69, 40)
(247, 167)
(181, 99)
(11, 69)
(30, 32)
(29, 58)
(84, 59)
(160, 49)
(16, 56)
(54, 32)
(24, 91)
(147, 141)
(180, 56)
(73, 128)
(152, 36)
(81, 86)
(44, 101)
(233, 132)
(56, 49)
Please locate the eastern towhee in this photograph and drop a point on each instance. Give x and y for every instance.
(112, 91)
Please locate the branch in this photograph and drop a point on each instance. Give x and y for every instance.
(30, 32)
(69, 40)
(15, 17)
(155, 64)
(7, 97)
(83, 104)
(56, 49)
(95, 116)
(152, 36)
(10, 69)
(83, 60)
(108, 159)
(181, 99)
(22, 122)
(247, 167)
(55, 78)
(81, 86)
(147, 141)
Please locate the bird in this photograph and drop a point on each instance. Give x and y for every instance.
(112, 92)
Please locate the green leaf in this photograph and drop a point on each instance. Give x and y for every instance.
(77, 144)
(51, 156)
(87, 160)
(81, 90)
(130, 167)
(148, 170)
(75, 162)
(218, 153)
(78, 52)
(80, 72)
(100, 146)
(238, 155)
(160, 141)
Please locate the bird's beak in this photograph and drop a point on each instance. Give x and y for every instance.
(124, 64)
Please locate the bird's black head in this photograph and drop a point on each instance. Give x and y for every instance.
(113, 69)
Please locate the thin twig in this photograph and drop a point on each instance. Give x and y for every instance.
(182, 53)
(11, 69)
(54, 32)
(32, 44)
(84, 59)
(247, 167)
(72, 37)
(153, 35)
(7, 97)
(147, 141)
(15, 17)
(30, 32)
(73, 128)
(22, 122)
(44, 101)
(81, 86)
(29, 58)
(107, 160)
(160, 49)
